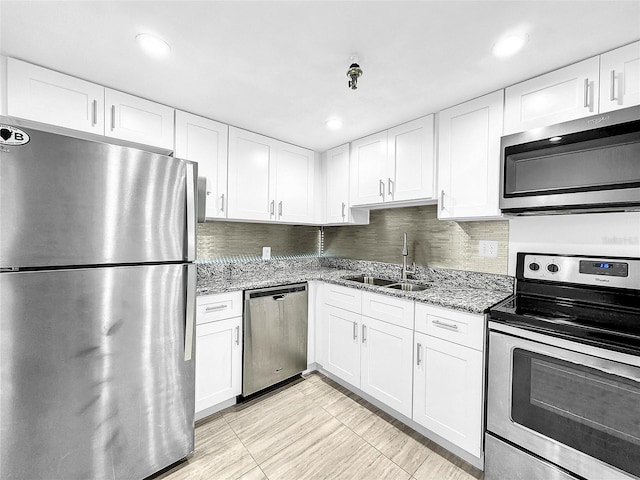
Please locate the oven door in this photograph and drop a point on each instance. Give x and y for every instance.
(574, 405)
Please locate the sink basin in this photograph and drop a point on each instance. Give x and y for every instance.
(408, 287)
(370, 280)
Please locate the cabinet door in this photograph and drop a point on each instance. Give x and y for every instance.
(205, 141)
(411, 165)
(447, 397)
(138, 120)
(36, 93)
(337, 185)
(368, 170)
(250, 157)
(469, 158)
(387, 364)
(562, 95)
(294, 184)
(218, 362)
(341, 334)
(620, 78)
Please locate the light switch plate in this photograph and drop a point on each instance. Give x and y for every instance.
(266, 253)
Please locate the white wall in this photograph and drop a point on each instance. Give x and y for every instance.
(601, 234)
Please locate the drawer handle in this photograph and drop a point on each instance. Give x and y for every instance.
(448, 326)
(217, 307)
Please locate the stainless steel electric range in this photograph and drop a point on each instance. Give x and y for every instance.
(564, 371)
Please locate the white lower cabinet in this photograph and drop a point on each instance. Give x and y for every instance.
(386, 363)
(448, 375)
(447, 397)
(371, 354)
(342, 351)
(218, 351)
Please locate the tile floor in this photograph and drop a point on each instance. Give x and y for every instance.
(314, 429)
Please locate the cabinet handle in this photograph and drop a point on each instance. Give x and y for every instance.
(280, 208)
(343, 207)
(586, 94)
(272, 207)
(222, 202)
(217, 307)
(391, 189)
(418, 354)
(612, 91)
(364, 333)
(382, 189)
(113, 117)
(448, 326)
(355, 330)
(94, 113)
(237, 335)
(442, 200)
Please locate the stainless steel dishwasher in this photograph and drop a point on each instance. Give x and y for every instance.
(275, 336)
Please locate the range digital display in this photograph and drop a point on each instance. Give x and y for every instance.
(614, 269)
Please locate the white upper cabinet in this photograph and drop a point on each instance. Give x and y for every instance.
(42, 95)
(250, 158)
(138, 120)
(295, 176)
(269, 180)
(469, 158)
(620, 78)
(565, 94)
(205, 141)
(396, 165)
(337, 185)
(39, 94)
(368, 169)
(410, 161)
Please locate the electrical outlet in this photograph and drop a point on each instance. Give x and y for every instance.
(488, 248)
(266, 253)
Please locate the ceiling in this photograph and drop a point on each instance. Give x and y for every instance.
(279, 68)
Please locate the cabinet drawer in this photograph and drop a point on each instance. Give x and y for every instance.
(342, 297)
(218, 307)
(459, 327)
(388, 309)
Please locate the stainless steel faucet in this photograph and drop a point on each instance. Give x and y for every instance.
(405, 254)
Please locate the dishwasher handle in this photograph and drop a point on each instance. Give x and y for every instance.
(280, 297)
(277, 293)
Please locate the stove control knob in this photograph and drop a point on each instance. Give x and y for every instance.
(534, 266)
(553, 268)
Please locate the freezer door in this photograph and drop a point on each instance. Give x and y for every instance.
(68, 201)
(93, 372)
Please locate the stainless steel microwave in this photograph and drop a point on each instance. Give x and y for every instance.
(589, 164)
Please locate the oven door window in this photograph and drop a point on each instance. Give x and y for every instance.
(594, 412)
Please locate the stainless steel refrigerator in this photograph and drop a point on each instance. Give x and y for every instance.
(97, 292)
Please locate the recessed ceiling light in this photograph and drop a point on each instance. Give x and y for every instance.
(555, 139)
(333, 123)
(153, 45)
(509, 45)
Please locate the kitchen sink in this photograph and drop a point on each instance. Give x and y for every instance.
(408, 287)
(371, 280)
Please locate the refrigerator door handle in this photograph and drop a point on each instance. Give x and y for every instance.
(190, 312)
(202, 199)
(191, 212)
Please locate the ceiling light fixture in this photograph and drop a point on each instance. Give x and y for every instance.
(509, 45)
(555, 139)
(152, 45)
(333, 123)
(354, 72)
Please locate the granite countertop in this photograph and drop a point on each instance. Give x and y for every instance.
(466, 291)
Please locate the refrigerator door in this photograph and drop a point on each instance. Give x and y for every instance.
(69, 201)
(93, 372)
